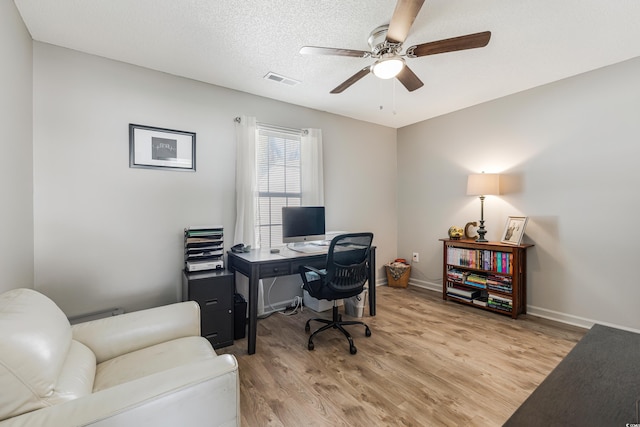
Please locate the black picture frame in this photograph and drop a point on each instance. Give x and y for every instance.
(159, 148)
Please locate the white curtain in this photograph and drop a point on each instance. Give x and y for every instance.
(245, 181)
(311, 165)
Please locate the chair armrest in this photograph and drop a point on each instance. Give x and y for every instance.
(114, 336)
(308, 269)
(200, 394)
(311, 278)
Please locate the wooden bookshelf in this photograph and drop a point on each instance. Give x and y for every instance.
(491, 276)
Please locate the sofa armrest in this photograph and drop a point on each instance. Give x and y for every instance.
(205, 393)
(114, 336)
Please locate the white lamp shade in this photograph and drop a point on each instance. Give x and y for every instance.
(483, 184)
(388, 68)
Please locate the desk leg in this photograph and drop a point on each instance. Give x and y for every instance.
(253, 309)
(372, 282)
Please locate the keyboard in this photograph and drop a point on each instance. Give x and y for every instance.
(310, 248)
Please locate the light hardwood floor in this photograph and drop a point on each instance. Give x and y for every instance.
(427, 363)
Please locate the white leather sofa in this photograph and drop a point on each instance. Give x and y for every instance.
(145, 368)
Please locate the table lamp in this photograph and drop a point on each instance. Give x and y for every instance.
(483, 184)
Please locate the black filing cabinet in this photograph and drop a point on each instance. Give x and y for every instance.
(213, 290)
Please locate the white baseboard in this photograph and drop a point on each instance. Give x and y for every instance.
(436, 287)
(544, 313)
(570, 319)
(560, 317)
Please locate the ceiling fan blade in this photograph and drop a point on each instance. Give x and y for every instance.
(409, 79)
(470, 41)
(402, 20)
(315, 50)
(351, 80)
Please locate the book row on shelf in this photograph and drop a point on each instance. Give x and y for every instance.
(481, 259)
(489, 281)
(480, 297)
(499, 302)
(203, 248)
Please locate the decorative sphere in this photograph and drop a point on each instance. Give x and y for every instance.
(455, 232)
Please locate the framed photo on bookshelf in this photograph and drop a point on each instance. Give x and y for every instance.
(151, 147)
(514, 230)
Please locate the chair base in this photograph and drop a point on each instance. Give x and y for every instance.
(336, 323)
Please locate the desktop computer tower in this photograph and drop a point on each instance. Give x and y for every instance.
(239, 317)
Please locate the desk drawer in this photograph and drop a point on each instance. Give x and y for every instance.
(315, 263)
(275, 269)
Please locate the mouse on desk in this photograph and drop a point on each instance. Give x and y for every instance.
(275, 251)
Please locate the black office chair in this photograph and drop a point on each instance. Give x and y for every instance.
(346, 273)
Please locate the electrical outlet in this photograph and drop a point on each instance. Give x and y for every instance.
(416, 257)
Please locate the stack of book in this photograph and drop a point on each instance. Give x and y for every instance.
(481, 300)
(462, 293)
(203, 248)
(456, 275)
(500, 283)
(499, 302)
(477, 280)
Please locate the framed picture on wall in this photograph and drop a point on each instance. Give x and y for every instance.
(514, 230)
(151, 147)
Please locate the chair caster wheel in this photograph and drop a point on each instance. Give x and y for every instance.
(367, 332)
(310, 346)
(353, 349)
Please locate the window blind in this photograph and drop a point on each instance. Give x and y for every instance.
(278, 180)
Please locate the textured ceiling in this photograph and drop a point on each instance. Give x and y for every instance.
(234, 43)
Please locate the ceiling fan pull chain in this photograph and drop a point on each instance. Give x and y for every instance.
(394, 97)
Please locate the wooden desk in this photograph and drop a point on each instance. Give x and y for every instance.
(261, 263)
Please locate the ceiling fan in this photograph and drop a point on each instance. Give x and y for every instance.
(386, 45)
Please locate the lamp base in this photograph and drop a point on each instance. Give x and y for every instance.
(481, 232)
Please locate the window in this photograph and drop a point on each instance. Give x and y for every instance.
(279, 177)
(275, 167)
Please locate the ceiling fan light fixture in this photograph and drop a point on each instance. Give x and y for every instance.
(388, 68)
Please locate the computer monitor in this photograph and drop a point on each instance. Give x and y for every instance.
(302, 224)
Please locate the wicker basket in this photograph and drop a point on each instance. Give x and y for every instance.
(396, 281)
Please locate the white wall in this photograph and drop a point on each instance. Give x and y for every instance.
(107, 235)
(16, 170)
(570, 152)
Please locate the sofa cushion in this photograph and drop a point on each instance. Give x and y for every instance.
(35, 337)
(150, 360)
(117, 335)
(77, 375)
